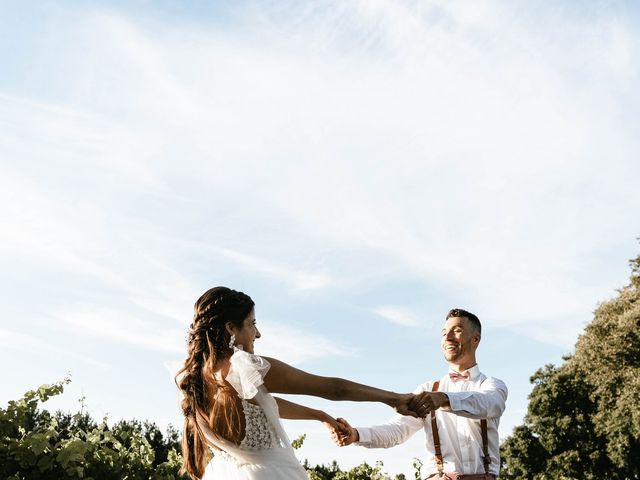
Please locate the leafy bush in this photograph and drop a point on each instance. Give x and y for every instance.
(364, 471)
(35, 445)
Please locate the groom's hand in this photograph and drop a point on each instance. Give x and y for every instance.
(346, 434)
(403, 405)
(425, 402)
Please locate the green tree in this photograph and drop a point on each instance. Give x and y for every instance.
(34, 444)
(583, 419)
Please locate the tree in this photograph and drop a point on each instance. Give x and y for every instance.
(34, 444)
(583, 419)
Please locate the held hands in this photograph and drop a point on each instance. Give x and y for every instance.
(339, 429)
(419, 405)
(425, 402)
(346, 435)
(405, 405)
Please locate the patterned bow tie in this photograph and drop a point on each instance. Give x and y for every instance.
(455, 376)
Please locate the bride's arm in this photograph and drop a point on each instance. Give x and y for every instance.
(295, 411)
(283, 378)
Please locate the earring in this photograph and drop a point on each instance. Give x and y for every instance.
(232, 341)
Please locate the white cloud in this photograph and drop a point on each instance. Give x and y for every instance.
(29, 344)
(398, 315)
(294, 346)
(420, 133)
(121, 326)
(296, 279)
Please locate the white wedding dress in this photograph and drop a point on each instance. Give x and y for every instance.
(265, 452)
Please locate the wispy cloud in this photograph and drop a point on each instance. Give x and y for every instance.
(295, 346)
(296, 279)
(425, 139)
(398, 315)
(121, 327)
(30, 344)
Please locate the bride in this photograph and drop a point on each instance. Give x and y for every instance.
(228, 406)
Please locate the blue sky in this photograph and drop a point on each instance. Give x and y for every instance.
(358, 168)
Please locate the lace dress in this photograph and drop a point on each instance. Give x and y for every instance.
(265, 452)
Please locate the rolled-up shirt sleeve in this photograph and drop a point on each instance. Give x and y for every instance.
(488, 402)
(396, 431)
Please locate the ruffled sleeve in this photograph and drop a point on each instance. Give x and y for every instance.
(247, 373)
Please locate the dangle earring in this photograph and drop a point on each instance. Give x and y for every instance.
(232, 341)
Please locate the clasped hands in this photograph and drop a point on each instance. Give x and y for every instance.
(414, 405)
(421, 404)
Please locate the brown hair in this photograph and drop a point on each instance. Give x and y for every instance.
(213, 399)
(458, 312)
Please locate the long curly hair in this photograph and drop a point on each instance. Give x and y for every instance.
(205, 395)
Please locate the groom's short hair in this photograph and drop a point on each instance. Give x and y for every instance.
(459, 312)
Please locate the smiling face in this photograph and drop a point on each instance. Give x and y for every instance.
(246, 335)
(459, 342)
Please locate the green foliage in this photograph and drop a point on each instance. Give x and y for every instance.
(364, 471)
(322, 472)
(34, 444)
(583, 420)
(417, 468)
(297, 443)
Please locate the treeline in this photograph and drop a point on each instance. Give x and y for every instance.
(36, 444)
(583, 419)
(583, 422)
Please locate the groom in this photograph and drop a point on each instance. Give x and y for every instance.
(460, 412)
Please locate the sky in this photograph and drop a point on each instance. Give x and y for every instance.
(357, 167)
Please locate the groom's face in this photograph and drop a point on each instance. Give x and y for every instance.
(459, 339)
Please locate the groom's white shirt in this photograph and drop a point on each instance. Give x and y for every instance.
(459, 428)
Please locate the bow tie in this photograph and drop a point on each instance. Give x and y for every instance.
(455, 376)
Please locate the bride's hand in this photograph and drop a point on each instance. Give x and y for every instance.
(348, 434)
(330, 422)
(337, 429)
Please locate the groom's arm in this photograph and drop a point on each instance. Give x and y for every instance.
(398, 430)
(487, 402)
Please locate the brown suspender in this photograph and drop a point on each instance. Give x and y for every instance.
(436, 439)
(436, 436)
(485, 445)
